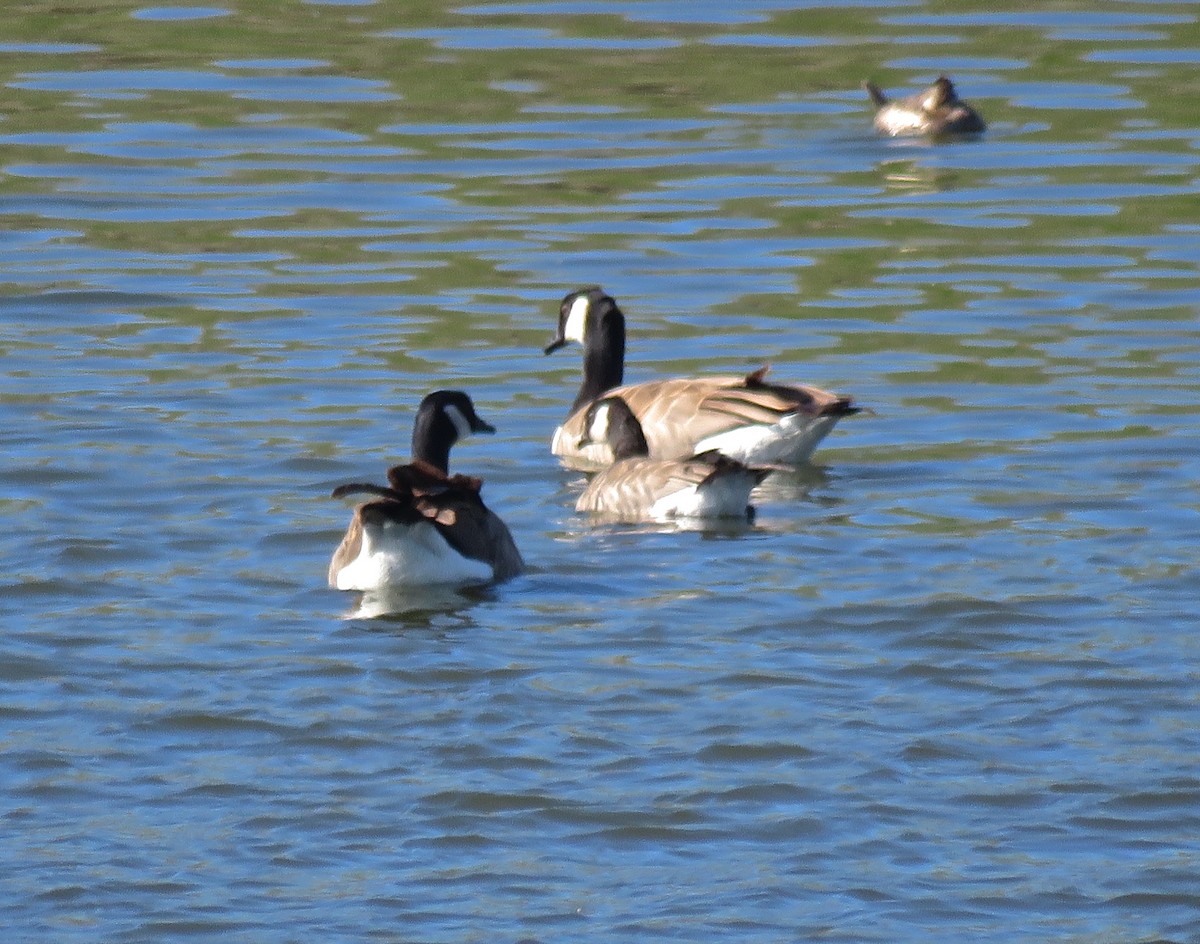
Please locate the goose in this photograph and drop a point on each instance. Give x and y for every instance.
(638, 488)
(746, 418)
(426, 527)
(936, 111)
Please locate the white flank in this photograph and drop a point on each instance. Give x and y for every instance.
(726, 496)
(396, 555)
(684, 503)
(577, 319)
(790, 441)
(896, 120)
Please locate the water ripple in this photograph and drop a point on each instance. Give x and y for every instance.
(941, 687)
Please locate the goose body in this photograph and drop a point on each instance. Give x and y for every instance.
(746, 418)
(425, 527)
(936, 111)
(638, 488)
(391, 543)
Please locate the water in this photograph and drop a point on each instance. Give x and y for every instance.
(945, 689)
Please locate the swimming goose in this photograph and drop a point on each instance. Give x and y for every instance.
(638, 488)
(936, 111)
(426, 527)
(746, 418)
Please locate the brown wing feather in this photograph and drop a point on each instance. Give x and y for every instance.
(348, 550)
(677, 414)
(421, 478)
(632, 486)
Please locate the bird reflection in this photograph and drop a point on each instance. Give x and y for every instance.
(417, 607)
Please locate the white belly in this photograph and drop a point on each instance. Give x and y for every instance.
(396, 555)
(725, 497)
(790, 441)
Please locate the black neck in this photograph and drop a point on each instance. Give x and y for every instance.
(433, 435)
(626, 437)
(603, 356)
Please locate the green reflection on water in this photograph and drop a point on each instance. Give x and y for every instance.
(524, 195)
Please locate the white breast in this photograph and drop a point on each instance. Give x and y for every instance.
(596, 455)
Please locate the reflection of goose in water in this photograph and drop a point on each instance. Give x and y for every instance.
(936, 111)
(638, 488)
(746, 418)
(416, 607)
(426, 527)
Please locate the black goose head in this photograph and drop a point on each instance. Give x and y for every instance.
(947, 113)
(443, 418)
(592, 318)
(938, 111)
(939, 95)
(610, 420)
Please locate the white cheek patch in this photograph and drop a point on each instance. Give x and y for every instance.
(598, 431)
(577, 319)
(459, 421)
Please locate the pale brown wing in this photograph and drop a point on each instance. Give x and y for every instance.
(348, 550)
(632, 489)
(677, 414)
(629, 488)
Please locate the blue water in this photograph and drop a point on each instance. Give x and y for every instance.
(945, 688)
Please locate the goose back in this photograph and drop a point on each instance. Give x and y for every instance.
(642, 489)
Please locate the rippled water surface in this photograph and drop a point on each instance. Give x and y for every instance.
(945, 688)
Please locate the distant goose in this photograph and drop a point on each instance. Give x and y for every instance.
(745, 418)
(638, 488)
(936, 111)
(426, 527)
